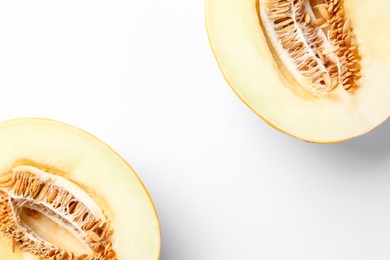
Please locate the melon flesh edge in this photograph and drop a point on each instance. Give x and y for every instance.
(97, 169)
(245, 60)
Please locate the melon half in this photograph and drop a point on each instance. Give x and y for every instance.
(318, 70)
(66, 195)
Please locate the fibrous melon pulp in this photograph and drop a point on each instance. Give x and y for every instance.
(318, 70)
(66, 195)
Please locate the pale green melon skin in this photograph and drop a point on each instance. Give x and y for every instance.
(87, 161)
(247, 64)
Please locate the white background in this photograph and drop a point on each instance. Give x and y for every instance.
(140, 75)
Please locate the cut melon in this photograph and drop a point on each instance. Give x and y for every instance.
(66, 195)
(318, 70)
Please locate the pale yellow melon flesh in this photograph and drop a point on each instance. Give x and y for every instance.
(248, 65)
(94, 167)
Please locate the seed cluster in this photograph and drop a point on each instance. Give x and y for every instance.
(320, 43)
(24, 189)
(341, 35)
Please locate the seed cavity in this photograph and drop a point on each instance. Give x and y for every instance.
(315, 42)
(29, 190)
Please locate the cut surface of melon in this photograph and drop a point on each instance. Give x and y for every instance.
(318, 70)
(66, 195)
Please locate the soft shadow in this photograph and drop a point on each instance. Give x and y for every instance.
(169, 254)
(373, 146)
(173, 237)
(367, 154)
(171, 246)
